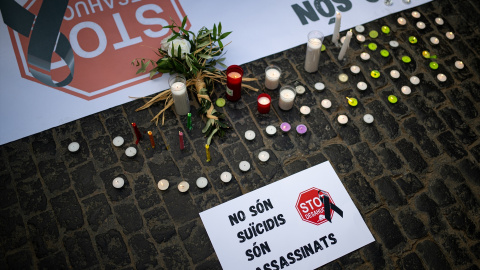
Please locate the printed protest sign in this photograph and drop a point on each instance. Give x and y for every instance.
(301, 222)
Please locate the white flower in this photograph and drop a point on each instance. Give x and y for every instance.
(184, 45)
(164, 44)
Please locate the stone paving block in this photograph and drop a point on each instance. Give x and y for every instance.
(180, 206)
(195, 240)
(20, 260)
(351, 260)
(8, 196)
(386, 229)
(440, 193)
(413, 227)
(54, 262)
(349, 132)
(236, 111)
(80, 250)
(462, 103)
(419, 133)
(367, 159)
(97, 210)
(103, 151)
(12, 229)
(432, 255)
(390, 191)
(44, 232)
(74, 159)
(215, 155)
(385, 120)
(92, 126)
(22, 165)
(459, 127)
(67, 210)
(31, 195)
(159, 224)
(427, 205)
(206, 201)
(85, 179)
(118, 125)
(146, 192)
(340, 157)
(475, 151)
(457, 218)
(388, 157)
(44, 146)
(212, 264)
(370, 132)
(471, 171)
(250, 181)
(425, 114)
(114, 194)
(128, 217)
(410, 184)
(374, 254)
(175, 257)
(411, 155)
(144, 252)
(473, 89)
(475, 249)
(226, 191)
(412, 262)
(296, 166)
(320, 126)
(452, 174)
(361, 189)
(54, 175)
(456, 251)
(113, 250)
(467, 198)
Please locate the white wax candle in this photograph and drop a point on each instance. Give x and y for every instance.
(180, 98)
(342, 119)
(118, 141)
(263, 156)
(271, 130)
(441, 77)
(365, 56)
(118, 182)
(368, 118)
(360, 28)
(264, 100)
(361, 38)
(305, 110)
(249, 135)
(362, 86)
(287, 96)
(202, 182)
(300, 90)
(401, 21)
(183, 186)
(319, 86)
(326, 103)
(434, 40)
(414, 80)
(131, 151)
(272, 78)
(73, 147)
(343, 77)
(355, 69)
(345, 45)
(459, 64)
(416, 14)
(394, 43)
(336, 29)
(226, 177)
(421, 25)
(244, 166)
(314, 47)
(395, 74)
(439, 21)
(406, 90)
(163, 184)
(450, 35)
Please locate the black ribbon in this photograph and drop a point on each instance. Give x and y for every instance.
(43, 37)
(327, 205)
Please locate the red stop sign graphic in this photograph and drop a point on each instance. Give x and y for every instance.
(310, 207)
(105, 35)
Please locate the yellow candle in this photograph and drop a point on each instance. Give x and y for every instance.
(151, 139)
(207, 150)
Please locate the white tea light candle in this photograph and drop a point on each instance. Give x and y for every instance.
(365, 56)
(163, 184)
(226, 177)
(416, 14)
(441, 77)
(421, 25)
(263, 156)
(300, 90)
(249, 135)
(355, 69)
(395, 74)
(362, 86)
(130, 151)
(414, 80)
(459, 64)
(73, 147)
(326, 103)
(319, 86)
(271, 130)
(439, 21)
(244, 166)
(202, 182)
(434, 40)
(360, 38)
(360, 28)
(183, 186)
(118, 182)
(118, 141)
(401, 21)
(343, 78)
(342, 119)
(406, 90)
(368, 118)
(394, 43)
(305, 110)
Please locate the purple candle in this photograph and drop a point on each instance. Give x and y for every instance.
(301, 129)
(285, 127)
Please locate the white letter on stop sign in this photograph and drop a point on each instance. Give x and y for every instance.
(151, 21)
(102, 39)
(316, 202)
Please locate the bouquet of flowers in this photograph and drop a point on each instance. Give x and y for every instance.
(195, 57)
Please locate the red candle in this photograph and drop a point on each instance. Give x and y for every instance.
(152, 141)
(137, 132)
(263, 103)
(180, 136)
(234, 82)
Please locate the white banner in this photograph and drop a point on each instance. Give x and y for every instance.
(106, 35)
(286, 225)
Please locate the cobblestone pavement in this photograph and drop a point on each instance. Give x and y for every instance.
(413, 173)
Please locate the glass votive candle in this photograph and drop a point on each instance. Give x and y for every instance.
(179, 92)
(272, 77)
(234, 82)
(314, 47)
(263, 103)
(287, 97)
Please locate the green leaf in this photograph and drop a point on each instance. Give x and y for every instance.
(152, 73)
(184, 22)
(219, 28)
(209, 139)
(224, 35)
(206, 56)
(214, 31)
(207, 125)
(222, 64)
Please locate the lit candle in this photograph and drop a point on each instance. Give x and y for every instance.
(263, 103)
(234, 82)
(368, 118)
(73, 147)
(152, 142)
(202, 182)
(287, 97)
(345, 45)
(336, 29)
(314, 47)
(226, 177)
(414, 80)
(392, 99)
(441, 77)
(285, 127)
(249, 135)
(326, 103)
(137, 133)
(301, 129)
(343, 78)
(406, 90)
(118, 182)
(305, 110)
(300, 89)
(272, 77)
(183, 186)
(207, 151)
(459, 64)
(355, 69)
(180, 137)
(450, 35)
(244, 166)
(352, 101)
(263, 156)
(179, 94)
(421, 25)
(130, 151)
(163, 184)
(319, 86)
(434, 40)
(189, 121)
(365, 56)
(342, 119)
(416, 14)
(271, 130)
(439, 21)
(395, 74)
(360, 38)
(401, 21)
(362, 86)
(118, 141)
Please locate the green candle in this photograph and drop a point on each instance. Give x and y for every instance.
(189, 121)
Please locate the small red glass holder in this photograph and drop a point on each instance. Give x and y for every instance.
(234, 82)
(263, 103)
